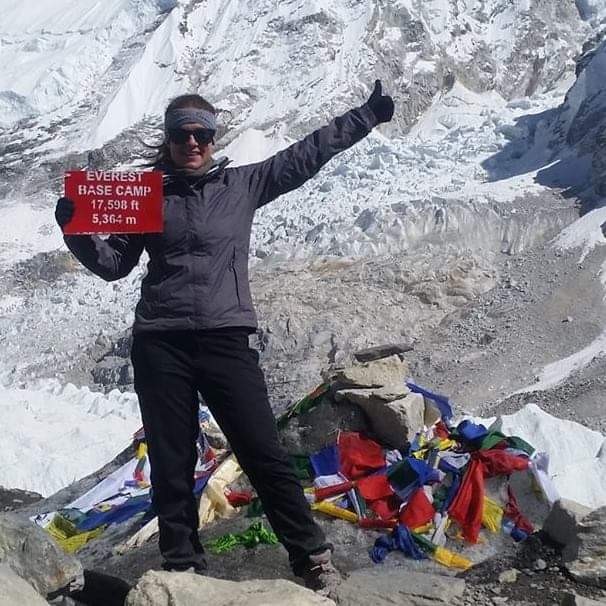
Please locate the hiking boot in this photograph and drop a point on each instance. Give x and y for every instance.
(199, 568)
(321, 576)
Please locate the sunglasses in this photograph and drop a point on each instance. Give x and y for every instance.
(203, 136)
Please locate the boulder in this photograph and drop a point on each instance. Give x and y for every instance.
(186, 589)
(572, 599)
(35, 557)
(385, 587)
(530, 500)
(383, 351)
(590, 564)
(395, 416)
(14, 498)
(17, 592)
(561, 526)
(313, 430)
(386, 371)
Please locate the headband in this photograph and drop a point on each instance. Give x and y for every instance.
(176, 118)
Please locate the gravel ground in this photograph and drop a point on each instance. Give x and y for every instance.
(545, 307)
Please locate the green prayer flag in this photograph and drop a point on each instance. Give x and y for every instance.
(423, 542)
(490, 440)
(306, 403)
(401, 474)
(519, 444)
(302, 466)
(253, 536)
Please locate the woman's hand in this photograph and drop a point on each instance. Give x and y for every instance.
(382, 106)
(64, 211)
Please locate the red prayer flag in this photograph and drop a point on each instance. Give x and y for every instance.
(374, 487)
(387, 508)
(468, 505)
(238, 499)
(358, 455)
(418, 511)
(512, 511)
(498, 462)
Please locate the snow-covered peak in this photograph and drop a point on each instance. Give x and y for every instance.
(55, 54)
(89, 70)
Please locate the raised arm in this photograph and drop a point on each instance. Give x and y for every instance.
(290, 168)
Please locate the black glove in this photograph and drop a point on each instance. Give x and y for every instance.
(64, 211)
(381, 105)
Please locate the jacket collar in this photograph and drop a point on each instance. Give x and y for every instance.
(194, 181)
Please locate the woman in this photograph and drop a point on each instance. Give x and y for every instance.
(193, 320)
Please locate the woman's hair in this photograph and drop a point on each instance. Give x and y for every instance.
(161, 153)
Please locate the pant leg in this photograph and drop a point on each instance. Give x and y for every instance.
(169, 408)
(233, 386)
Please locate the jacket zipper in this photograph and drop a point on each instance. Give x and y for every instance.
(233, 268)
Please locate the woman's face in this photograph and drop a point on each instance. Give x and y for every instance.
(190, 154)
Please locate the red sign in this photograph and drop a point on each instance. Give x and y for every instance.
(114, 202)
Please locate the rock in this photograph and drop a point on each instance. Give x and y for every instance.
(318, 427)
(534, 506)
(14, 498)
(509, 576)
(561, 526)
(312, 235)
(112, 371)
(540, 564)
(394, 421)
(16, 591)
(431, 414)
(572, 599)
(405, 588)
(185, 589)
(35, 557)
(46, 267)
(216, 438)
(590, 565)
(366, 219)
(378, 373)
(383, 351)
(369, 397)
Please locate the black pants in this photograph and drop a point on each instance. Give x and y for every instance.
(170, 368)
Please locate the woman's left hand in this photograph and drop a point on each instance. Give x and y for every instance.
(382, 106)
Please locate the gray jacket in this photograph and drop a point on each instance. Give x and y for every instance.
(197, 275)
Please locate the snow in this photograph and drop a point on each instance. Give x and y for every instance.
(32, 230)
(588, 85)
(577, 454)
(584, 233)
(148, 85)
(555, 373)
(53, 54)
(54, 434)
(253, 145)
